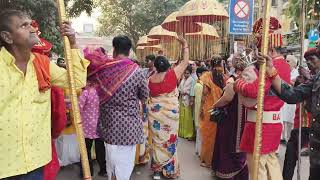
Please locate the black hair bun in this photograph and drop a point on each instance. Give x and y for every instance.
(161, 64)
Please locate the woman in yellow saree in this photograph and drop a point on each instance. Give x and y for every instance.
(212, 91)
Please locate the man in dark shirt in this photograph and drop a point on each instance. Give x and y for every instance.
(121, 86)
(300, 93)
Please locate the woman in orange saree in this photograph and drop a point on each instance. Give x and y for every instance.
(213, 84)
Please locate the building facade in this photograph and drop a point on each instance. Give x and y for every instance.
(86, 28)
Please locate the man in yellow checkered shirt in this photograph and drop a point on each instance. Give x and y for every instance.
(25, 111)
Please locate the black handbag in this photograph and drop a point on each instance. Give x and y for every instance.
(218, 115)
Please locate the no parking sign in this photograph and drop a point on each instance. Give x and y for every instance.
(241, 16)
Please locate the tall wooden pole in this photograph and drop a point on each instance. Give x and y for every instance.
(74, 99)
(303, 33)
(261, 92)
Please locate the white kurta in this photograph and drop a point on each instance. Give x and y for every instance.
(120, 161)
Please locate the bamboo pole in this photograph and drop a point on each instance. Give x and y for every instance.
(200, 48)
(74, 99)
(303, 33)
(261, 92)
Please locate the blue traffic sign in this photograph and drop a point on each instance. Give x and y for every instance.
(241, 16)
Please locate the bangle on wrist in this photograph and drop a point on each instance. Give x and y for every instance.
(185, 47)
(273, 74)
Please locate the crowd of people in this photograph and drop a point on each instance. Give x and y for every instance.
(135, 115)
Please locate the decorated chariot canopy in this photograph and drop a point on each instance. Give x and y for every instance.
(164, 35)
(206, 11)
(145, 41)
(172, 24)
(207, 32)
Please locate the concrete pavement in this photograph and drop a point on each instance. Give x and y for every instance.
(189, 162)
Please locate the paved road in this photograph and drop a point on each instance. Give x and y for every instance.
(190, 168)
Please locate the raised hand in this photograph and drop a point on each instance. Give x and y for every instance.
(304, 72)
(182, 40)
(261, 59)
(67, 30)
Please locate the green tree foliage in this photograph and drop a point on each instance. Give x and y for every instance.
(45, 13)
(294, 9)
(134, 18)
(76, 7)
(223, 1)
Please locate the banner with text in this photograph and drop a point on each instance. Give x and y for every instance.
(241, 16)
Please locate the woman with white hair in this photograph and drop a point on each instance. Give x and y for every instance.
(293, 61)
(288, 110)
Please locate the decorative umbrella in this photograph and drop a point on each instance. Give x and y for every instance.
(164, 35)
(145, 41)
(143, 51)
(152, 42)
(208, 32)
(140, 53)
(153, 48)
(172, 24)
(211, 12)
(140, 48)
(205, 43)
(206, 11)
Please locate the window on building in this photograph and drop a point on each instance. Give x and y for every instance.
(88, 28)
(274, 3)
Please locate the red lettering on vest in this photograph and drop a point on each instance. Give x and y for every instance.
(276, 117)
